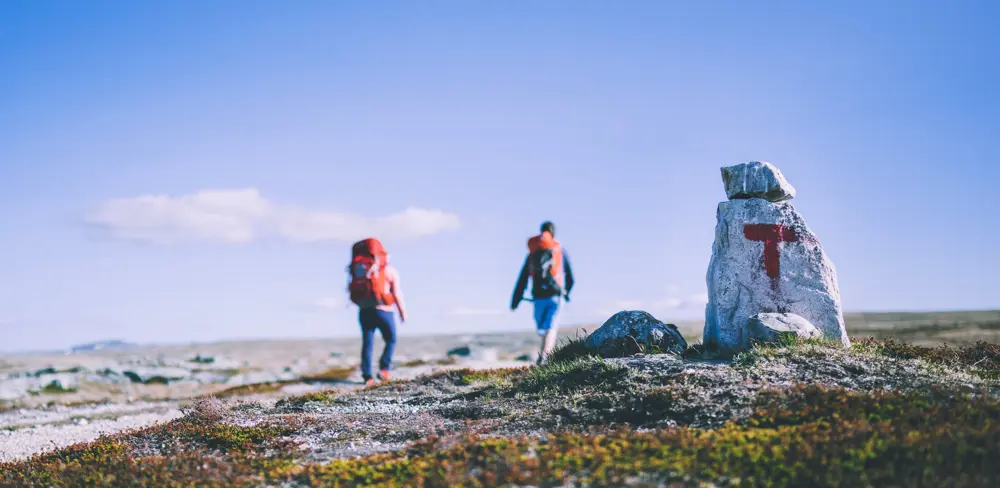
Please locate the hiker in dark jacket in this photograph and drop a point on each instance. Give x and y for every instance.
(547, 265)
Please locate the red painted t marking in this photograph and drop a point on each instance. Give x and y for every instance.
(771, 235)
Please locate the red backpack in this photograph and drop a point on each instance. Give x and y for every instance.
(545, 264)
(366, 274)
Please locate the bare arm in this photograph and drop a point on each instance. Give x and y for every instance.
(397, 293)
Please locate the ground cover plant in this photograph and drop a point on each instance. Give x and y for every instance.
(332, 374)
(881, 413)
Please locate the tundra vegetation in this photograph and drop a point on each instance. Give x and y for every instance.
(798, 413)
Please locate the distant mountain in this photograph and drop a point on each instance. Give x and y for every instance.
(101, 345)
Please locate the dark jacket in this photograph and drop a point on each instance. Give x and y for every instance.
(536, 293)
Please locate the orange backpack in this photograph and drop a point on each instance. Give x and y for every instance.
(367, 285)
(545, 264)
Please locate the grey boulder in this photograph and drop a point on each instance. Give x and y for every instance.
(775, 327)
(765, 259)
(756, 180)
(156, 375)
(635, 331)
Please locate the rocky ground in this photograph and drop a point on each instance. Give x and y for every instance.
(881, 413)
(50, 400)
(481, 415)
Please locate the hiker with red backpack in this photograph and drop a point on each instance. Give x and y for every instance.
(551, 282)
(373, 286)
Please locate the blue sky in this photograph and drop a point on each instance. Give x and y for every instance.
(176, 171)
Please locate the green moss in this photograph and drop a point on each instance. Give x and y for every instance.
(229, 437)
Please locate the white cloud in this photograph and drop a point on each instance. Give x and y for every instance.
(238, 216)
(299, 225)
(475, 312)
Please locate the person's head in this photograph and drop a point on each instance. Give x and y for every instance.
(549, 227)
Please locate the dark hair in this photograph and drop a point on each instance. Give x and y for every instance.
(549, 227)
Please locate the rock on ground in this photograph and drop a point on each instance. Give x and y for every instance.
(645, 329)
(766, 259)
(773, 327)
(756, 180)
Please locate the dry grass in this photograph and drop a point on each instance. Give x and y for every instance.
(252, 389)
(981, 358)
(337, 375)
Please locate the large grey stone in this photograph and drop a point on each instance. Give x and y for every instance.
(756, 180)
(766, 260)
(773, 327)
(635, 328)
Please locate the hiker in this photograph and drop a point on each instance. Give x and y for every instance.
(374, 287)
(551, 282)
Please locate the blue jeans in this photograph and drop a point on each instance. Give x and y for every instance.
(547, 314)
(385, 322)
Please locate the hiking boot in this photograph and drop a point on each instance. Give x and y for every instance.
(383, 375)
(370, 382)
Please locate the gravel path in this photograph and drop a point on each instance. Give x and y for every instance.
(56, 428)
(26, 432)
